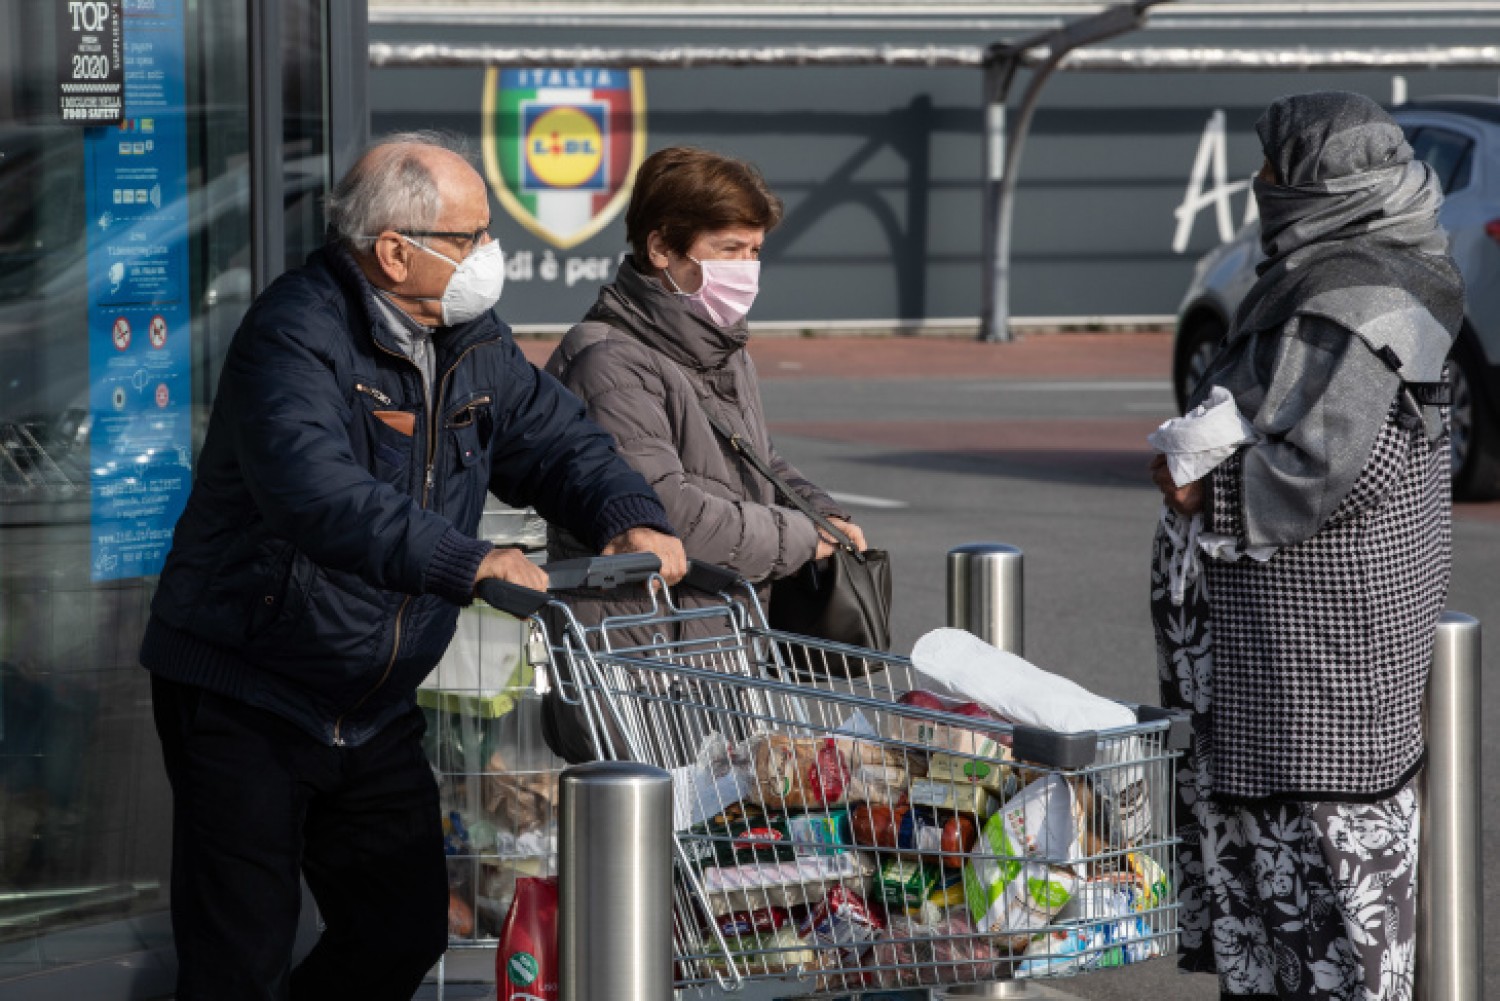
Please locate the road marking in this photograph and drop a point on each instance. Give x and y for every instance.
(879, 503)
(1068, 387)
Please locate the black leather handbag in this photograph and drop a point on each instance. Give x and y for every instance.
(845, 598)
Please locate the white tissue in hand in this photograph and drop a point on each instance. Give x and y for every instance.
(1012, 686)
(1197, 442)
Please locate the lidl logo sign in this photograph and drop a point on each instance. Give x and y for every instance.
(564, 148)
(561, 146)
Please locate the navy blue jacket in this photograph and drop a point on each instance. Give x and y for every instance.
(319, 565)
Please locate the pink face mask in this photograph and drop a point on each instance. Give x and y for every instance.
(727, 293)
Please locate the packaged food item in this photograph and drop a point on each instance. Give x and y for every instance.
(959, 953)
(877, 783)
(1121, 796)
(803, 882)
(904, 884)
(764, 921)
(761, 942)
(520, 801)
(721, 775)
(526, 961)
(1017, 877)
(794, 774)
(842, 927)
(1094, 946)
(742, 834)
(900, 827)
(902, 957)
(950, 797)
(948, 737)
(460, 916)
(820, 833)
(990, 774)
(950, 895)
(1140, 888)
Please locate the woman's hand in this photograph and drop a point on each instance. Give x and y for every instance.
(1187, 500)
(826, 545)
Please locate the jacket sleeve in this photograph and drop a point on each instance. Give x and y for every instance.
(290, 425)
(757, 541)
(806, 489)
(1326, 398)
(546, 453)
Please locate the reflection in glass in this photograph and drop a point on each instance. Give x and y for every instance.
(85, 818)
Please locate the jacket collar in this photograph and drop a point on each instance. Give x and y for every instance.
(340, 263)
(645, 309)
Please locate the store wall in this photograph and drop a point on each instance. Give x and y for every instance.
(880, 168)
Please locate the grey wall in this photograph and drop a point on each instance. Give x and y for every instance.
(879, 170)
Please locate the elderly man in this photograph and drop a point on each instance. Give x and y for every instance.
(368, 403)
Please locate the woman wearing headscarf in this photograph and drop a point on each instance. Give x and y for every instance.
(1301, 648)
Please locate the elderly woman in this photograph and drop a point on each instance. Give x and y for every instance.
(661, 357)
(1302, 648)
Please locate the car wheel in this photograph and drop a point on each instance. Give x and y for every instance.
(1197, 343)
(1475, 431)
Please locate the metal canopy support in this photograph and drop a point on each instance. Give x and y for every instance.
(1000, 191)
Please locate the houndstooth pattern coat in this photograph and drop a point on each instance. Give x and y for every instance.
(1321, 654)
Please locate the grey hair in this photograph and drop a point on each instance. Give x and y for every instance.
(390, 191)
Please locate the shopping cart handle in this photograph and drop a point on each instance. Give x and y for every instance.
(602, 573)
(710, 578)
(513, 599)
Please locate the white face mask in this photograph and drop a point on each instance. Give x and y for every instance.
(728, 291)
(474, 287)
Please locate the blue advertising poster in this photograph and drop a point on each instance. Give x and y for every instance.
(140, 345)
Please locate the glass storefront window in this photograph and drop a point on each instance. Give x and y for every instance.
(145, 225)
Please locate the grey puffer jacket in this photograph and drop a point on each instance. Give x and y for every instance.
(646, 368)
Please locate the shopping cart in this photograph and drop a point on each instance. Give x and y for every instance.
(839, 825)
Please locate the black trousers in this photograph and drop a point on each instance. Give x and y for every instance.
(257, 803)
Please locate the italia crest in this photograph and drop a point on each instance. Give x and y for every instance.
(561, 146)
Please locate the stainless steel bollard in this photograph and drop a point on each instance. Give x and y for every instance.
(1450, 873)
(985, 593)
(615, 883)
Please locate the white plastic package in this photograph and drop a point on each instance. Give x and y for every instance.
(1012, 686)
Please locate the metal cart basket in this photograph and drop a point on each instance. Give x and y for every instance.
(839, 825)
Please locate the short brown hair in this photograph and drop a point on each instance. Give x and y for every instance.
(684, 191)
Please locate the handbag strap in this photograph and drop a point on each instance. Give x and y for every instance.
(750, 455)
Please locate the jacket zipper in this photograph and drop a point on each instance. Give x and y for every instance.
(338, 724)
(371, 391)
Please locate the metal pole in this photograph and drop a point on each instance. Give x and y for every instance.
(1450, 876)
(615, 883)
(985, 593)
(1000, 67)
(994, 324)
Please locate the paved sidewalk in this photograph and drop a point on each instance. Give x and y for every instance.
(1034, 356)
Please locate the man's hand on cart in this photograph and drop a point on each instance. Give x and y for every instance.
(667, 548)
(513, 566)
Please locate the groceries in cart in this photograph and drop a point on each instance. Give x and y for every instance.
(958, 817)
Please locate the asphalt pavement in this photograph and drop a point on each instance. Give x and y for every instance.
(933, 443)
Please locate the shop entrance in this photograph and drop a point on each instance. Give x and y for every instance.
(160, 162)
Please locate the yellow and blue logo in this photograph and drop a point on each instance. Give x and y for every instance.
(565, 148)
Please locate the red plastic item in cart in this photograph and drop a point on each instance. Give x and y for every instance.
(526, 962)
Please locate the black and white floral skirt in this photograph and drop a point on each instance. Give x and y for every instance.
(1281, 899)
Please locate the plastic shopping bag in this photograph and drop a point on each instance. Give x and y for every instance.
(526, 962)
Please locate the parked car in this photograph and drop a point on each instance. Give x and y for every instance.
(1460, 138)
